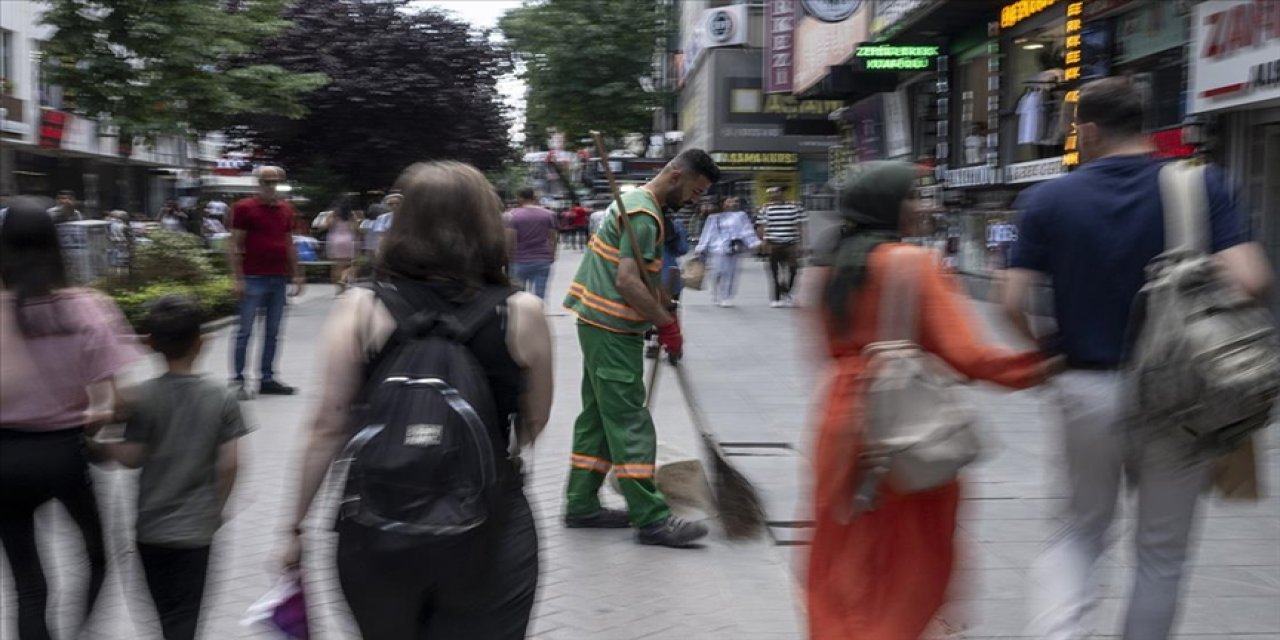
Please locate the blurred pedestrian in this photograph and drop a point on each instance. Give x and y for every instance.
(726, 236)
(182, 431)
(172, 218)
(340, 242)
(263, 257)
(883, 574)
(64, 208)
(612, 298)
(1093, 232)
(71, 344)
(379, 226)
(535, 243)
(445, 251)
(782, 226)
(580, 219)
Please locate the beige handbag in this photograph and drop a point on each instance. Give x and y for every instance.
(919, 431)
(692, 273)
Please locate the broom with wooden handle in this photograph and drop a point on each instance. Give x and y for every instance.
(739, 504)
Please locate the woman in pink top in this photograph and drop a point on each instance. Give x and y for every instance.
(62, 348)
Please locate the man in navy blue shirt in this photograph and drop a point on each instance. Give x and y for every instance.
(1092, 233)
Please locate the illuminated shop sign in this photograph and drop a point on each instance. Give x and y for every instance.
(1074, 56)
(1015, 12)
(892, 57)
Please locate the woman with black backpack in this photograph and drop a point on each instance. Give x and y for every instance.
(430, 374)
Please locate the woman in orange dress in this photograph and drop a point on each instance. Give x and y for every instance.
(884, 574)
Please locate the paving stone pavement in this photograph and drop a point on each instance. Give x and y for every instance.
(757, 378)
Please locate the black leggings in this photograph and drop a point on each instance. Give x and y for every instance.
(482, 588)
(35, 467)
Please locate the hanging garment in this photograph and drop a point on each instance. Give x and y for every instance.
(1030, 116)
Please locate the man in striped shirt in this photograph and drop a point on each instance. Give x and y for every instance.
(782, 224)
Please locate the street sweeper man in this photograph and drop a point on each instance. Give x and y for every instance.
(612, 297)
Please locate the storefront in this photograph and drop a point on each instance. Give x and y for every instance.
(1234, 76)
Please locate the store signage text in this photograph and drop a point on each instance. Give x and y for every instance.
(889, 57)
(1034, 171)
(1016, 12)
(742, 159)
(1243, 26)
(792, 106)
(1074, 57)
(780, 46)
(971, 177)
(1238, 54)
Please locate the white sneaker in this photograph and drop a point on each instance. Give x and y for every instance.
(725, 304)
(776, 304)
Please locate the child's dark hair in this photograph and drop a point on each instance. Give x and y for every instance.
(173, 322)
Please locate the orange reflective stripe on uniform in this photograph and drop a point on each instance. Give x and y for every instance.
(612, 255)
(590, 463)
(635, 471)
(603, 305)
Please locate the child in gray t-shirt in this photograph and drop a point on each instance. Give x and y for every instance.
(182, 430)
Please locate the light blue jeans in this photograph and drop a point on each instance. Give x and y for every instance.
(724, 275)
(532, 276)
(266, 293)
(1104, 449)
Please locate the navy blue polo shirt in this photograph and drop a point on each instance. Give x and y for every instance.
(1093, 232)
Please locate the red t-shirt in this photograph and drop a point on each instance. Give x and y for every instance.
(580, 216)
(268, 232)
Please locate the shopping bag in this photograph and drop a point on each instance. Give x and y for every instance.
(283, 608)
(692, 273)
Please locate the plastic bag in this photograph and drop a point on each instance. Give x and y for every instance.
(283, 608)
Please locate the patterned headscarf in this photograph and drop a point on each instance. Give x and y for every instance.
(869, 207)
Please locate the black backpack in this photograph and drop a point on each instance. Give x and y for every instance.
(423, 462)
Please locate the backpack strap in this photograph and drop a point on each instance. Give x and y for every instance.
(427, 313)
(900, 303)
(1185, 200)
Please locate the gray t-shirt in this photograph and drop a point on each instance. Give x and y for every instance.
(182, 420)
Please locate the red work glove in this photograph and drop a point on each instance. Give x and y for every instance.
(671, 339)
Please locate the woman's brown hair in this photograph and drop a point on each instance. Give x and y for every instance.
(449, 227)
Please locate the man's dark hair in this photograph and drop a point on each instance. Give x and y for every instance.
(698, 161)
(527, 194)
(1113, 104)
(173, 322)
(66, 192)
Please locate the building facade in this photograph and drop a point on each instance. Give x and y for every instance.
(45, 147)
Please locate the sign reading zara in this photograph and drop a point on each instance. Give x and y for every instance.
(1235, 56)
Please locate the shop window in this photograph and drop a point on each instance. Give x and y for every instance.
(970, 93)
(1035, 121)
(7, 56)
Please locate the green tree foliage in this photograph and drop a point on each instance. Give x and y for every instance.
(583, 60)
(171, 67)
(405, 87)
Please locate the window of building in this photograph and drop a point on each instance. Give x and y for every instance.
(6, 61)
(970, 93)
(1035, 122)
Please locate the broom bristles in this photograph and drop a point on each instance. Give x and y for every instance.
(741, 512)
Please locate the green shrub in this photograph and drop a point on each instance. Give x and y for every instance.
(214, 295)
(173, 257)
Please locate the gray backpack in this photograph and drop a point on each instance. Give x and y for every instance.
(920, 431)
(1205, 359)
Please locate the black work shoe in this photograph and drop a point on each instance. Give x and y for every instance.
(238, 387)
(275, 388)
(672, 532)
(602, 519)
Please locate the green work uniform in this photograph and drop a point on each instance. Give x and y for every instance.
(615, 429)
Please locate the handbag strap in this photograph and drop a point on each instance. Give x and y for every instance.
(1185, 200)
(899, 306)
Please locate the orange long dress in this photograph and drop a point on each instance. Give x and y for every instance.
(885, 574)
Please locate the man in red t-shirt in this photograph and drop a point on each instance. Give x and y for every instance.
(263, 259)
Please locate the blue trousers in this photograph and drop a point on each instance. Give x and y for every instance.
(532, 276)
(267, 293)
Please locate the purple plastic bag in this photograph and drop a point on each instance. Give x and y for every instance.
(283, 608)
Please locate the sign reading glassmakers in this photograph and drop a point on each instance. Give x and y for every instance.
(894, 57)
(756, 161)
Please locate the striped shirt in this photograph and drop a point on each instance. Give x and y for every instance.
(782, 222)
